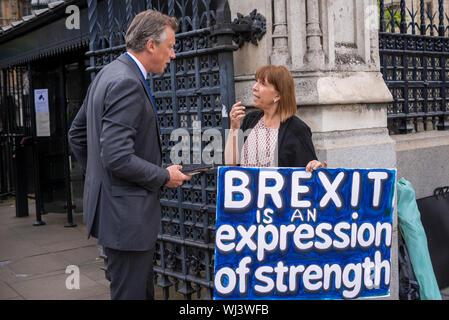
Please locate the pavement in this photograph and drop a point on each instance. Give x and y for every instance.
(34, 259)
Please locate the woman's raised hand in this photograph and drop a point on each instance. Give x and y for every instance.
(236, 115)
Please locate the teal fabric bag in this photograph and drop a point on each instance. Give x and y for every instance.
(409, 221)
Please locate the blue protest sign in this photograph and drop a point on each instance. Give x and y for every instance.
(284, 233)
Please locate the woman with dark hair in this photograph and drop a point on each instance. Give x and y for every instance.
(273, 136)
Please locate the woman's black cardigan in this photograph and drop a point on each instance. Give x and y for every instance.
(294, 147)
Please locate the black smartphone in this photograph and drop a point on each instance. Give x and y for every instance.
(192, 169)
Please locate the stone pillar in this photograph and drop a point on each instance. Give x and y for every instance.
(280, 54)
(314, 57)
(332, 52)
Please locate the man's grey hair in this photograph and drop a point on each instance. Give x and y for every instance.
(148, 25)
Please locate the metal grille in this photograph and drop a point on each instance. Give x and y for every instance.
(16, 120)
(414, 51)
(190, 94)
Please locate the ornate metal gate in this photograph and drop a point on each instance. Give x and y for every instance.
(193, 93)
(414, 52)
(16, 125)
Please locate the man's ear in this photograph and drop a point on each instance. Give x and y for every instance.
(151, 45)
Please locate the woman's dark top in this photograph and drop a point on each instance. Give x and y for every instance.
(294, 146)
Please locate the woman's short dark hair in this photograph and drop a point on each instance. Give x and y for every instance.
(281, 78)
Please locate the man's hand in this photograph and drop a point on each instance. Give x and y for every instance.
(177, 178)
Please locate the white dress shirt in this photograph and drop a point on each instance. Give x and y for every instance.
(139, 64)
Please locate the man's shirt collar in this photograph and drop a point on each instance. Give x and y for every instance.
(139, 64)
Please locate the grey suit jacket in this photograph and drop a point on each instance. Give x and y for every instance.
(115, 138)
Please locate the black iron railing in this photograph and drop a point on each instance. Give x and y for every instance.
(414, 51)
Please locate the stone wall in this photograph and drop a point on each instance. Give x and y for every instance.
(422, 158)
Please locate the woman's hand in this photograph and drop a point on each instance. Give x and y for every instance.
(315, 164)
(236, 115)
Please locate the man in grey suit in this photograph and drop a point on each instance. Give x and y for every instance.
(116, 139)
